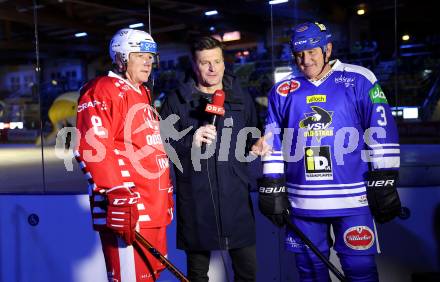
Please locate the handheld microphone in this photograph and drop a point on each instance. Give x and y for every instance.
(216, 107)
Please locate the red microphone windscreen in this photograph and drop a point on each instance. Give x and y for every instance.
(219, 98)
(216, 107)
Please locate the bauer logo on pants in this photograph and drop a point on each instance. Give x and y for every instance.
(359, 237)
(318, 163)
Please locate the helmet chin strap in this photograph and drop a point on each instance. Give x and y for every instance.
(326, 61)
(119, 65)
(324, 53)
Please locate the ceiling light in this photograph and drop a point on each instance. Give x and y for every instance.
(231, 36)
(211, 13)
(136, 25)
(274, 2)
(360, 12)
(80, 34)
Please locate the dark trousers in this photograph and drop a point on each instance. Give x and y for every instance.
(244, 264)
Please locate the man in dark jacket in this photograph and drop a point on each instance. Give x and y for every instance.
(214, 208)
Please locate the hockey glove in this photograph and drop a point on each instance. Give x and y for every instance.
(272, 200)
(122, 212)
(382, 195)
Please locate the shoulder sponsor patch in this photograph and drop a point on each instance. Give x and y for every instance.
(377, 96)
(316, 99)
(287, 87)
(359, 237)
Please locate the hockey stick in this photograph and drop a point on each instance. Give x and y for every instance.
(314, 249)
(153, 251)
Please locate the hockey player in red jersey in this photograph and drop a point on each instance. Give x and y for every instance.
(121, 151)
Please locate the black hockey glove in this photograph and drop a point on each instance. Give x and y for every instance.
(382, 195)
(272, 200)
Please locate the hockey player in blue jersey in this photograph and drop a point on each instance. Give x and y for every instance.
(330, 158)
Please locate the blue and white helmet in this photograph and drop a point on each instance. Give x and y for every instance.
(308, 36)
(129, 40)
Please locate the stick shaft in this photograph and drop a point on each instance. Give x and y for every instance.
(315, 250)
(154, 252)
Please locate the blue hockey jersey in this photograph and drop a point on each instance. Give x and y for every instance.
(327, 134)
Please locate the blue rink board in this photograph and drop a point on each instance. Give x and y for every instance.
(62, 246)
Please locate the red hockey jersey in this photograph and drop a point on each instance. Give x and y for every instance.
(120, 145)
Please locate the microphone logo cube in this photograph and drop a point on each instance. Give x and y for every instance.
(215, 110)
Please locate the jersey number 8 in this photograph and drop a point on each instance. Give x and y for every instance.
(97, 125)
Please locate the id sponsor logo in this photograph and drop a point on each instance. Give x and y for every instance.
(359, 237)
(318, 163)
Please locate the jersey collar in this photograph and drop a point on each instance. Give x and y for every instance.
(334, 65)
(115, 75)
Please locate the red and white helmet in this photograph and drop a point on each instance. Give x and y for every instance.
(129, 40)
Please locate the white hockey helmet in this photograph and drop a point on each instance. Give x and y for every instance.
(129, 40)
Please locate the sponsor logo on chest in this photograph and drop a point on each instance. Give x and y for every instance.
(149, 116)
(162, 161)
(92, 104)
(347, 81)
(288, 87)
(317, 123)
(316, 99)
(318, 163)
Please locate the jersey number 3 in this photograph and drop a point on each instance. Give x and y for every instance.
(383, 120)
